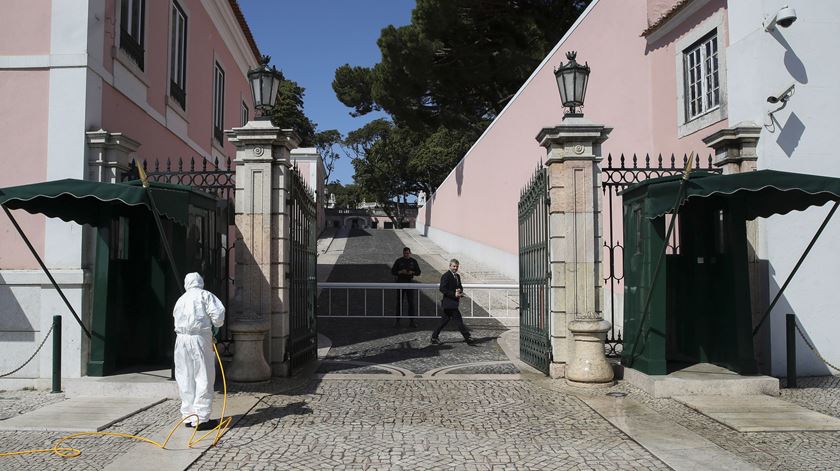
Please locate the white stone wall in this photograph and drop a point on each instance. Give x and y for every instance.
(28, 302)
(498, 260)
(800, 138)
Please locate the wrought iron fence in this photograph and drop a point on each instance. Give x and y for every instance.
(302, 272)
(534, 273)
(615, 177)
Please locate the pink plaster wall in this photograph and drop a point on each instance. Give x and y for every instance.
(204, 46)
(661, 58)
(24, 139)
(25, 27)
(631, 89)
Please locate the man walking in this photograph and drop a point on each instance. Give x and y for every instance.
(404, 270)
(453, 291)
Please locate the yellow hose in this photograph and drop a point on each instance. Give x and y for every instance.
(71, 452)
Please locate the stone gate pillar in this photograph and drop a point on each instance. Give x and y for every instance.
(261, 300)
(574, 150)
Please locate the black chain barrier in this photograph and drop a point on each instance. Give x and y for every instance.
(30, 358)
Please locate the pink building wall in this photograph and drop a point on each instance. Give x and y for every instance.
(26, 92)
(632, 89)
(28, 72)
(17, 34)
(205, 46)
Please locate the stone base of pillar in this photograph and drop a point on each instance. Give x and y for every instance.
(249, 365)
(557, 370)
(589, 366)
(280, 370)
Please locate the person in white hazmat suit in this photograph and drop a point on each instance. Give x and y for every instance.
(196, 313)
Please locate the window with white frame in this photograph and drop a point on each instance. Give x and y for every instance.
(178, 56)
(218, 102)
(246, 114)
(702, 77)
(132, 26)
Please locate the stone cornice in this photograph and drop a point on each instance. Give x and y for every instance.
(579, 130)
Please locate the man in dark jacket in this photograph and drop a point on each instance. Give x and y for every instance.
(404, 270)
(450, 286)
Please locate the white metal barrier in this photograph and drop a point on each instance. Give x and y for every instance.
(362, 300)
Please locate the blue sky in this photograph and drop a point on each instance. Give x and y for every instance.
(309, 39)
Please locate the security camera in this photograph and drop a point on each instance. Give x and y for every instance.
(781, 97)
(784, 18)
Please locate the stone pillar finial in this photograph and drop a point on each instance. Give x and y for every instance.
(574, 150)
(261, 301)
(735, 147)
(109, 155)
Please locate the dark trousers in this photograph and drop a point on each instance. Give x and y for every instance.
(452, 314)
(408, 294)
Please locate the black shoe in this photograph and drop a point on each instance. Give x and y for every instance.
(469, 341)
(434, 341)
(189, 425)
(209, 425)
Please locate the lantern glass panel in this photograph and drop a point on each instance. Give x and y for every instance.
(265, 85)
(571, 98)
(256, 90)
(561, 86)
(580, 86)
(275, 87)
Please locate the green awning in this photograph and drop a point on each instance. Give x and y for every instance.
(760, 194)
(94, 203)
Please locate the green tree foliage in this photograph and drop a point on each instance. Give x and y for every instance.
(326, 142)
(459, 61)
(288, 111)
(382, 155)
(442, 79)
(346, 196)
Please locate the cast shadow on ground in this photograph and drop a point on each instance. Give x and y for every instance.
(274, 413)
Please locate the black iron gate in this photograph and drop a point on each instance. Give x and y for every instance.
(616, 176)
(303, 343)
(534, 273)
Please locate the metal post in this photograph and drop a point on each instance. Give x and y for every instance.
(56, 355)
(791, 350)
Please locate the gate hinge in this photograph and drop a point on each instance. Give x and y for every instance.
(288, 275)
(548, 200)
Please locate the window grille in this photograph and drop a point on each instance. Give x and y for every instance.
(702, 79)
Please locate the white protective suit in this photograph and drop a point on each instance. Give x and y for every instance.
(195, 370)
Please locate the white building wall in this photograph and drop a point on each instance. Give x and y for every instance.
(797, 138)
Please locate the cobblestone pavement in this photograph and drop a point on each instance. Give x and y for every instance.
(377, 341)
(766, 450)
(420, 421)
(418, 424)
(368, 256)
(97, 451)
